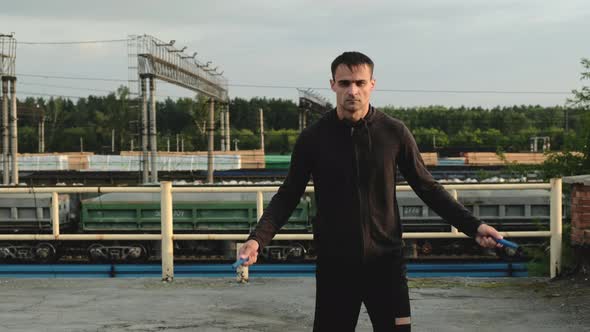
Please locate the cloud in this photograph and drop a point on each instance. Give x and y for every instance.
(430, 44)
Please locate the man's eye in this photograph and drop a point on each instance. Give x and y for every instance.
(361, 83)
(344, 83)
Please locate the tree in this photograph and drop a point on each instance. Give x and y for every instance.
(569, 162)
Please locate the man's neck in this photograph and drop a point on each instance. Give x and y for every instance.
(349, 116)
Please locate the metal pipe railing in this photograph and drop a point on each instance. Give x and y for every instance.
(167, 236)
(556, 227)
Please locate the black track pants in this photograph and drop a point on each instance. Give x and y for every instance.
(341, 288)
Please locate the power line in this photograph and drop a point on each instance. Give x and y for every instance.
(77, 78)
(320, 88)
(409, 90)
(65, 87)
(477, 91)
(80, 97)
(73, 42)
(51, 95)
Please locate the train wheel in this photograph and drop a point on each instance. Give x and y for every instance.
(97, 253)
(138, 254)
(45, 253)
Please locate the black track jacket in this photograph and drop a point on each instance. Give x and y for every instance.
(354, 176)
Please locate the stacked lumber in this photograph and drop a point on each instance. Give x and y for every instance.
(491, 158)
(430, 158)
(249, 158)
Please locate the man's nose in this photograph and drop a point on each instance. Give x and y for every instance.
(352, 89)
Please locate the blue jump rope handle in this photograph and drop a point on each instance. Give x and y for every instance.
(239, 262)
(507, 243)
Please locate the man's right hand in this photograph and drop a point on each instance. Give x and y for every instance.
(249, 250)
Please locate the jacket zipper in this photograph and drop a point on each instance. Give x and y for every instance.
(358, 188)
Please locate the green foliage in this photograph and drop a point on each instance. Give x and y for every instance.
(430, 137)
(506, 128)
(247, 140)
(538, 264)
(280, 141)
(564, 164)
(577, 139)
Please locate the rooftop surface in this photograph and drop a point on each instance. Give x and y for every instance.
(282, 304)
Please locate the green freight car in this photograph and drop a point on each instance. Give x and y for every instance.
(277, 161)
(227, 213)
(192, 212)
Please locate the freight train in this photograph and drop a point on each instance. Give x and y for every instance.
(233, 213)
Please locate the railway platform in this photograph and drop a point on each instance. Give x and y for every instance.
(282, 304)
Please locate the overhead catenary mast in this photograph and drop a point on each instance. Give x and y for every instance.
(154, 59)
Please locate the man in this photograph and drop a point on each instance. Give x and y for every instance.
(352, 154)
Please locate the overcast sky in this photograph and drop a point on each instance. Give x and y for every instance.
(459, 45)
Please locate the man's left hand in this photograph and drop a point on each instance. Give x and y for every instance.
(485, 236)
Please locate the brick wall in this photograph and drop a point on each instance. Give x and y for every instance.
(581, 215)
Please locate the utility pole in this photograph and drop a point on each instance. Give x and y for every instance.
(144, 131)
(5, 133)
(261, 129)
(153, 132)
(210, 145)
(227, 133)
(42, 135)
(14, 132)
(222, 127)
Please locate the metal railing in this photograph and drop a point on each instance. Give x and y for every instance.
(167, 236)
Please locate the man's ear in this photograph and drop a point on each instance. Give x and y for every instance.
(332, 83)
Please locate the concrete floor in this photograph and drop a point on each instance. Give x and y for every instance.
(207, 304)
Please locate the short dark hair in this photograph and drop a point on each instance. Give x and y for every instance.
(352, 59)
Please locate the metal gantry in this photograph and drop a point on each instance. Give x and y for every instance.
(9, 118)
(310, 101)
(155, 59)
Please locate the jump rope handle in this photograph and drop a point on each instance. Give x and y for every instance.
(507, 243)
(239, 262)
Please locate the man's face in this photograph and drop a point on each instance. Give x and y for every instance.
(353, 90)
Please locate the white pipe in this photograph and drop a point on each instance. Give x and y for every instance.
(167, 240)
(455, 195)
(25, 190)
(167, 237)
(228, 189)
(556, 228)
(259, 205)
(55, 214)
(79, 237)
(234, 237)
